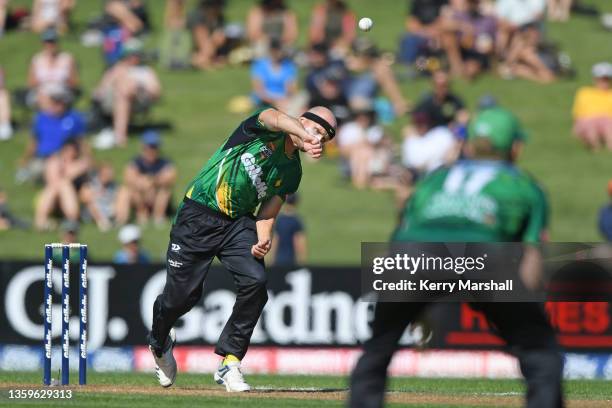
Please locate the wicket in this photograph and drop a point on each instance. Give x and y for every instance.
(48, 299)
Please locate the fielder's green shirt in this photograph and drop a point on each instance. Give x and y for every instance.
(475, 201)
(250, 168)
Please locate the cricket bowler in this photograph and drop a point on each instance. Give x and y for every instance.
(484, 198)
(258, 165)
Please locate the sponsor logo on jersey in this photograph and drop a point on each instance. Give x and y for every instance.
(175, 247)
(265, 152)
(278, 183)
(255, 174)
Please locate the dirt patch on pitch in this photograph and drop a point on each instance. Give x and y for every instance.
(331, 394)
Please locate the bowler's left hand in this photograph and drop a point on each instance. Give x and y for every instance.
(261, 248)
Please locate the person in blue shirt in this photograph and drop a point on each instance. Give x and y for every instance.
(52, 127)
(274, 79)
(131, 252)
(289, 244)
(148, 180)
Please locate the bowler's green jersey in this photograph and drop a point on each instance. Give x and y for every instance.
(251, 167)
(475, 201)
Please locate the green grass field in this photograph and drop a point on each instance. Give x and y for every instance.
(195, 103)
(140, 390)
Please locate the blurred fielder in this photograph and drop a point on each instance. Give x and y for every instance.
(445, 208)
(258, 165)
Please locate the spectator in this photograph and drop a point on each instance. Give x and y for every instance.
(274, 80)
(559, 10)
(51, 129)
(363, 146)
(271, 20)
(427, 146)
(593, 109)
(469, 40)
(520, 23)
(6, 130)
(148, 183)
(51, 14)
(7, 219)
(51, 67)
(175, 49)
(423, 29)
(207, 25)
(289, 245)
(129, 86)
(371, 72)
(131, 252)
(131, 15)
(99, 196)
(333, 23)
(325, 82)
(442, 106)
(605, 217)
(65, 174)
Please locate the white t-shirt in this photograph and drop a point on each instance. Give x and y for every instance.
(353, 133)
(519, 12)
(429, 151)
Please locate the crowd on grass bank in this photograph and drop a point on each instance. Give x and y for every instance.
(442, 40)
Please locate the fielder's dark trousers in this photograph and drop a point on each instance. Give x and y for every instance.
(198, 235)
(523, 325)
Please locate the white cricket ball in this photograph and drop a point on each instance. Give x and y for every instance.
(365, 24)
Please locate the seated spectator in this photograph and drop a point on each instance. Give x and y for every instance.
(51, 67)
(6, 129)
(605, 217)
(442, 106)
(333, 23)
(207, 25)
(423, 29)
(65, 173)
(274, 80)
(130, 14)
(7, 219)
(325, 82)
(469, 40)
(271, 20)
(361, 142)
(427, 146)
(593, 109)
(99, 196)
(148, 182)
(175, 49)
(122, 21)
(51, 14)
(51, 129)
(371, 72)
(131, 252)
(129, 86)
(289, 246)
(559, 10)
(520, 23)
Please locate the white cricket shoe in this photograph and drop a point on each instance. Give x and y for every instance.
(165, 366)
(231, 376)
